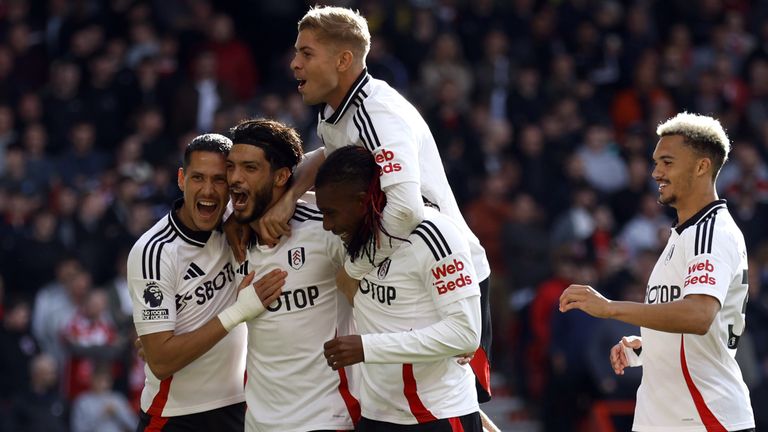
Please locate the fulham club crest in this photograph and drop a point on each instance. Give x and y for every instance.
(384, 269)
(296, 257)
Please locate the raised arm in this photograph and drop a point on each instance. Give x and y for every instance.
(274, 223)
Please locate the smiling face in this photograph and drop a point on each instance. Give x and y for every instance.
(674, 171)
(204, 183)
(342, 208)
(315, 66)
(251, 182)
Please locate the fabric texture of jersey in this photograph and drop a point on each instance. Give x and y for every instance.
(179, 280)
(692, 382)
(375, 116)
(290, 386)
(407, 292)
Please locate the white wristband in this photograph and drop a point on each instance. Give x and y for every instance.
(247, 307)
(633, 359)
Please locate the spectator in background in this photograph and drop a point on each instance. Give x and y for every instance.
(198, 98)
(56, 304)
(38, 252)
(90, 337)
(41, 169)
(642, 232)
(62, 102)
(100, 408)
(235, 66)
(8, 135)
(18, 347)
(606, 171)
(41, 408)
(80, 165)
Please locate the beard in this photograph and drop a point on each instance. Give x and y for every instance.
(261, 200)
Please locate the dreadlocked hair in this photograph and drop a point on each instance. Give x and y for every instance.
(356, 166)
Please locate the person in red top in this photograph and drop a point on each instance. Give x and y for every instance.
(89, 337)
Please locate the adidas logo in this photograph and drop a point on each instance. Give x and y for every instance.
(193, 271)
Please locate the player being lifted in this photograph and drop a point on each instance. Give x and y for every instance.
(356, 109)
(694, 307)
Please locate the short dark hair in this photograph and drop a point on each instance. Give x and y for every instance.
(215, 143)
(281, 143)
(348, 165)
(356, 166)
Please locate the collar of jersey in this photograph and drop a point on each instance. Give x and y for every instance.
(356, 88)
(698, 216)
(195, 238)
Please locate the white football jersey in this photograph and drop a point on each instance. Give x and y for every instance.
(179, 280)
(290, 386)
(407, 292)
(692, 382)
(375, 116)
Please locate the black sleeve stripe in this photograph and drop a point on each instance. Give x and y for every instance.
(431, 248)
(370, 123)
(439, 234)
(160, 251)
(360, 132)
(364, 135)
(305, 213)
(432, 240)
(307, 209)
(307, 218)
(705, 232)
(711, 234)
(149, 248)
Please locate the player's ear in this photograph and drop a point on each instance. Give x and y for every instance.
(180, 178)
(344, 60)
(281, 177)
(704, 166)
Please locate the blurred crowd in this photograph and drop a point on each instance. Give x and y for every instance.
(544, 113)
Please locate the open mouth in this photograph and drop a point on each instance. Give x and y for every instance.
(207, 208)
(662, 186)
(239, 199)
(302, 83)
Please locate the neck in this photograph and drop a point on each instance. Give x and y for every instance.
(695, 202)
(346, 80)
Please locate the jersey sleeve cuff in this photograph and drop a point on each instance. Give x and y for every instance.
(149, 328)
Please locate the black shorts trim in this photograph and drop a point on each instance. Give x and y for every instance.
(230, 418)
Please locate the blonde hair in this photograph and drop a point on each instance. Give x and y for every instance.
(702, 133)
(339, 25)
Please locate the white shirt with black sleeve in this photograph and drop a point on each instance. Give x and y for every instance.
(416, 311)
(691, 382)
(179, 280)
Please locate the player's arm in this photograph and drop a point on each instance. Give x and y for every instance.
(166, 352)
(692, 314)
(274, 223)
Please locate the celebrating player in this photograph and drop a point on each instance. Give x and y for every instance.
(356, 109)
(416, 310)
(289, 386)
(182, 284)
(693, 314)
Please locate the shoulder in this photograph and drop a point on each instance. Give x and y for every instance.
(306, 213)
(713, 230)
(439, 234)
(162, 233)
